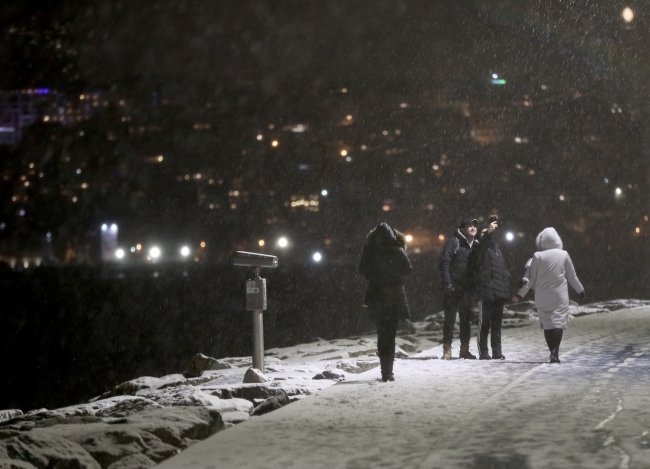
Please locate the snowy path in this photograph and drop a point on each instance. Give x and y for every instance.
(591, 411)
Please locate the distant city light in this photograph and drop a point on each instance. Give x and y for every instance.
(638, 230)
(78, 171)
(154, 252)
(510, 236)
(138, 247)
(618, 191)
(275, 143)
(494, 75)
(185, 251)
(324, 192)
(441, 237)
(283, 242)
(260, 137)
(561, 197)
(348, 117)
(202, 244)
(606, 181)
(628, 15)
(132, 248)
(317, 257)
(344, 153)
(348, 159)
(462, 190)
(408, 238)
(119, 253)
(498, 81)
(261, 242)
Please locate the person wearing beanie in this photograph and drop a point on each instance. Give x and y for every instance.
(487, 267)
(383, 264)
(551, 272)
(458, 295)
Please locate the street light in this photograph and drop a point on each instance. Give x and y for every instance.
(154, 252)
(283, 242)
(627, 14)
(185, 251)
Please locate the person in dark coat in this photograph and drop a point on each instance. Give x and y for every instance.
(458, 295)
(383, 264)
(488, 271)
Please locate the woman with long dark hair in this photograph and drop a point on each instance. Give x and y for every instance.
(383, 263)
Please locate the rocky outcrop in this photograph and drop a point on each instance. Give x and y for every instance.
(140, 440)
(201, 363)
(271, 404)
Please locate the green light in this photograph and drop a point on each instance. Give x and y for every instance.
(498, 81)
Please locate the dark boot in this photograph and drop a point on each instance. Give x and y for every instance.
(485, 356)
(497, 355)
(382, 364)
(557, 339)
(389, 368)
(465, 353)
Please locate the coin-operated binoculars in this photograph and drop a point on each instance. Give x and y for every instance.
(256, 297)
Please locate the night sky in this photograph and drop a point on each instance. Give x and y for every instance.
(404, 88)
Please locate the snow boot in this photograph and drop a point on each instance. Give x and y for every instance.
(387, 368)
(484, 356)
(497, 355)
(465, 353)
(557, 339)
(446, 352)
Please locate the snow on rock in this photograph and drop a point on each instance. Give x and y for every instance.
(9, 414)
(6, 463)
(123, 406)
(192, 396)
(253, 375)
(48, 451)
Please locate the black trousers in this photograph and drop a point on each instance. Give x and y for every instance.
(490, 316)
(460, 303)
(386, 332)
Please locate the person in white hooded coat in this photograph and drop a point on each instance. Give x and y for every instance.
(551, 271)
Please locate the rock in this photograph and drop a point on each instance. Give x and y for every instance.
(156, 434)
(253, 375)
(201, 363)
(120, 441)
(327, 374)
(252, 392)
(9, 414)
(357, 366)
(191, 396)
(48, 451)
(15, 464)
(233, 418)
(134, 461)
(271, 404)
(127, 407)
(130, 388)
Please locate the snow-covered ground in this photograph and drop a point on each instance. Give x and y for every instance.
(587, 412)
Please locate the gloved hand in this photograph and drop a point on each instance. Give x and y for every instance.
(523, 282)
(448, 290)
(582, 295)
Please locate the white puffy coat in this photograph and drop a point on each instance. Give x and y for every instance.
(551, 270)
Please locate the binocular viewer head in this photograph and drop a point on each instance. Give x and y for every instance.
(253, 259)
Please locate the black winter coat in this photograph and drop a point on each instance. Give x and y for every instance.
(383, 264)
(453, 261)
(488, 271)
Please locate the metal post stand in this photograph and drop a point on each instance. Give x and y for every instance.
(258, 340)
(256, 302)
(256, 297)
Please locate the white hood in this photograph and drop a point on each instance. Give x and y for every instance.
(548, 239)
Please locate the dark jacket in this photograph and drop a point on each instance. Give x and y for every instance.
(383, 263)
(488, 271)
(453, 261)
